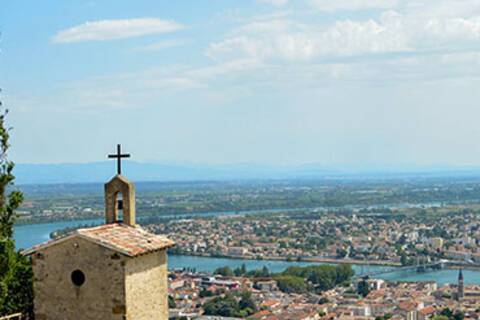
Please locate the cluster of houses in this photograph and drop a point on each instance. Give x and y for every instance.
(385, 300)
(328, 236)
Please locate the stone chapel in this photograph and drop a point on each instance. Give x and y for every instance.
(114, 271)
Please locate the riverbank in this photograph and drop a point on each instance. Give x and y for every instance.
(209, 264)
(383, 263)
(30, 235)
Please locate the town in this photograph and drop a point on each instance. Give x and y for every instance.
(295, 294)
(398, 240)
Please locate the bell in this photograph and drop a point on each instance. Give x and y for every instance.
(120, 204)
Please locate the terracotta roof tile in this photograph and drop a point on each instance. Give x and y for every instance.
(128, 240)
(428, 310)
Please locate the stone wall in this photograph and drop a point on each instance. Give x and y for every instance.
(146, 287)
(102, 295)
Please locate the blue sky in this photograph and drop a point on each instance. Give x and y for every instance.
(331, 82)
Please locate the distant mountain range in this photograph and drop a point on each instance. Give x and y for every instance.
(136, 171)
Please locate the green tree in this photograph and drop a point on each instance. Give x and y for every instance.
(259, 273)
(246, 302)
(341, 253)
(265, 272)
(237, 272)
(240, 271)
(16, 288)
(323, 300)
(344, 274)
(205, 293)
(229, 306)
(291, 284)
(243, 269)
(458, 315)
(447, 313)
(323, 277)
(224, 271)
(171, 302)
(10, 202)
(363, 288)
(225, 306)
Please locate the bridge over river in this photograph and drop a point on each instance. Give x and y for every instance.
(419, 267)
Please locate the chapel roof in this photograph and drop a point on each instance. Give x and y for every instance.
(128, 240)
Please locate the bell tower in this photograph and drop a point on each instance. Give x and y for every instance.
(119, 185)
(460, 289)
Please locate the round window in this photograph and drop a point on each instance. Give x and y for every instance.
(78, 278)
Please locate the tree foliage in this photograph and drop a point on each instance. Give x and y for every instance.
(363, 288)
(448, 314)
(16, 289)
(291, 284)
(231, 306)
(9, 201)
(224, 271)
(240, 271)
(324, 277)
(259, 273)
(171, 302)
(316, 278)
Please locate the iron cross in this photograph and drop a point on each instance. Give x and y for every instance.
(119, 157)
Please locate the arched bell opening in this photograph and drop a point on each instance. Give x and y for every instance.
(119, 207)
(120, 201)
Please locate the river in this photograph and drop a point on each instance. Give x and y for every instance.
(33, 234)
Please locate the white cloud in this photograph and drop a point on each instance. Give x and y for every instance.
(161, 45)
(276, 3)
(115, 29)
(290, 41)
(351, 5)
(281, 39)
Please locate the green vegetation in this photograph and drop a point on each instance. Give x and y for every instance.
(291, 284)
(240, 271)
(458, 195)
(231, 305)
(447, 314)
(259, 273)
(224, 271)
(205, 293)
(363, 288)
(323, 300)
(298, 279)
(320, 278)
(16, 289)
(171, 302)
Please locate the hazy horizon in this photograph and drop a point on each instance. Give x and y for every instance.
(99, 172)
(372, 166)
